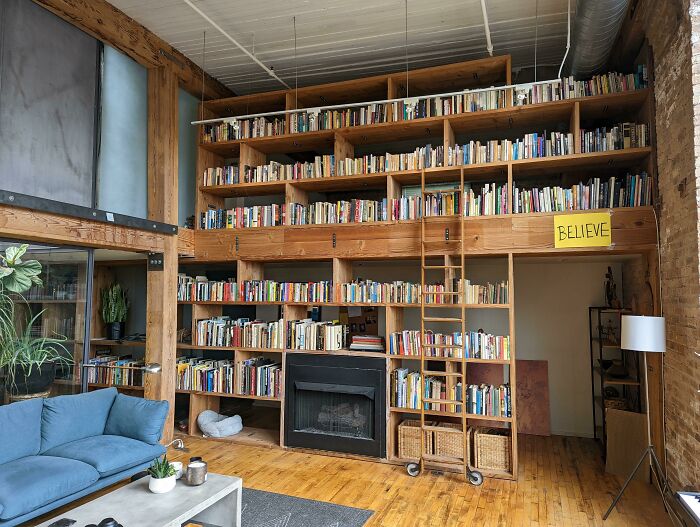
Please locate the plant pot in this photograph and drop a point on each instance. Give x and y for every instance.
(39, 380)
(115, 330)
(162, 485)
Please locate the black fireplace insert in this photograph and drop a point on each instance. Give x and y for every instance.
(336, 403)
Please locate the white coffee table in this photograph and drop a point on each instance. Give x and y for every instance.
(217, 502)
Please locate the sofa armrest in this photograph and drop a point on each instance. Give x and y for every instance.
(137, 418)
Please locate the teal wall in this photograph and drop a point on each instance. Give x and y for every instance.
(122, 178)
(187, 156)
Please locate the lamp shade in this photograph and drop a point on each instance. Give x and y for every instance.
(643, 333)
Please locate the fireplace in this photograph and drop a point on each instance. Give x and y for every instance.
(336, 403)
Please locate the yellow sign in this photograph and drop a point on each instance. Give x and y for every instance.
(582, 230)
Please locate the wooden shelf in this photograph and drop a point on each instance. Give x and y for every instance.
(229, 348)
(607, 379)
(475, 172)
(117, 386)
(532, 115)
(231, 395)
(115, 343)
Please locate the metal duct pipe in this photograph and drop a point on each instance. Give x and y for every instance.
(596, 26)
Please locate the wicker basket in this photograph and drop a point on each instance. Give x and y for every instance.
(448, 444)
(492, 449)
(409, 440)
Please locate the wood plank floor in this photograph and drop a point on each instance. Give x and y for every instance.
(561, 483)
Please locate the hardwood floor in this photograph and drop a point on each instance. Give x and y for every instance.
(561, 483)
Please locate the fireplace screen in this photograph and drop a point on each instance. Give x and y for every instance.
(337, 410)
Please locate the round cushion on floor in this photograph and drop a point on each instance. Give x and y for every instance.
(217, 425)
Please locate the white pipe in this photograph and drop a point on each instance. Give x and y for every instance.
(318, 109)
(489, 46)
(236, 43)
(568, 38)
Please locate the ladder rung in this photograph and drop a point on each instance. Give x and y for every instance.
(441, 401)
(447, 346)
(451, 293)
(442, 373)
(442, 267)
(442, 319)
(432, 428)
(443, 459)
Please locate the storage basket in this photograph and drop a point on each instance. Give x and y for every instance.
(409, 440)
(492, 449)
(448, 444)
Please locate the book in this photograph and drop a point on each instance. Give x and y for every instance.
(224, 331)
(316, 336)
(485, 294)
(272, 291)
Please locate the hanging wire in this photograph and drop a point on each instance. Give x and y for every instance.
(537, 26)
(296, 65)
(204, 63)
(406, 41)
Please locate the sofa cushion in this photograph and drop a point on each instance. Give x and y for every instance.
(70, 417)
(20, 429)
(108, 454)
(31, 482)
(137, 418)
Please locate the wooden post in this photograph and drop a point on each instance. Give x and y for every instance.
(161, 302)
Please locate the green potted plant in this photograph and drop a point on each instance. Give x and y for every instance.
(115, 306)
(29, 362)
(163, 476)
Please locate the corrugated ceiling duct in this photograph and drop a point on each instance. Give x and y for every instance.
(596, 26)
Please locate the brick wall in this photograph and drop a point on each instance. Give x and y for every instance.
(673, 31)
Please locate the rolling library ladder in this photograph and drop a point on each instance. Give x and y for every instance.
(452, 266)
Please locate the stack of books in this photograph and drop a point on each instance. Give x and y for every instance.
(259, 376)
(367, 343)
(486, 294)
(628, 191)
(405, 388)
(316, 336)
(205, 375)
(272, 291)
(200, 289)
(487, 399)
(482, 345)
(244, 333)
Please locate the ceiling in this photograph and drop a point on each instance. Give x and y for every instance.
(342, 39)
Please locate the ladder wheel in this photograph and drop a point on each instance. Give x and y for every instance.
(475, 477)
(413, 469)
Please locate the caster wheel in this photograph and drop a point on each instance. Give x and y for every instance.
(413, 469)
(475, 478)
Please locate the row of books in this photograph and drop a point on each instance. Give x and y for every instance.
(205, 375)
(485, 294)
(409, 343)
(272, 291)
(531, 146)
(618, 137)
(323, 213)
(321, 166)
(114, 371)
(437, 388)
(259, 376)
(309, 335)
(481, 345)
(369, 291)
(242, 332)
(406, 389)
(409, 109)
(243, 129)
(569, 88)
(628, 191)
(367, 343)
(421, 157)
(489, 400)
(306, 121)
(201, 289)
(243, 217)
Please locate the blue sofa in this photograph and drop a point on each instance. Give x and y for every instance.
(54, 451)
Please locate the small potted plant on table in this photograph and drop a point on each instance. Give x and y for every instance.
(115, 306)
(163, 476)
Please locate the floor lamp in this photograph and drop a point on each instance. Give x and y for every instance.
(644, 335)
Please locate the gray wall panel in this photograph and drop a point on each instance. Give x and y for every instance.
(47, 104)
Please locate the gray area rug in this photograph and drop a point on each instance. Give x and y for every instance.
(267, 509)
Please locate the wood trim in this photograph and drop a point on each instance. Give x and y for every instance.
(47, 227)
(185, 242)
(108, 24)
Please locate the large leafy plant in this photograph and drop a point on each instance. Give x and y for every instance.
(115, 304)
(20, 351)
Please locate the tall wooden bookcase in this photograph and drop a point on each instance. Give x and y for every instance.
(245, 252)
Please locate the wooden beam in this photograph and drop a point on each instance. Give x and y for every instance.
(108, 24)
(46, 227)
(161, 298)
